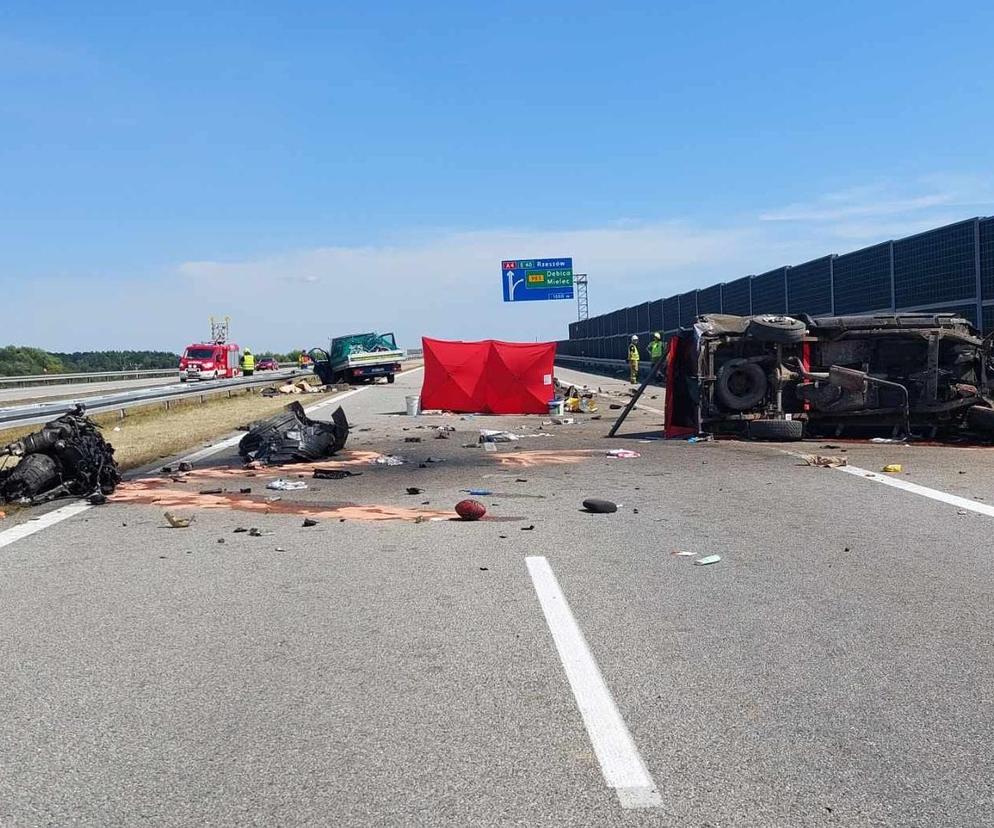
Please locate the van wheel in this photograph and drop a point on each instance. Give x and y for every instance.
(741, 384)
(776, 431)
(777, 329)
(390, 378)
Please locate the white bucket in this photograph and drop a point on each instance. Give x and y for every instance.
(413, 406)
(556, 408)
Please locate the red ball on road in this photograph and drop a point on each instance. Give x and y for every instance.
(470, 509)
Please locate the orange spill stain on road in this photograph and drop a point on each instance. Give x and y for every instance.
(529, 459)
(152, 492)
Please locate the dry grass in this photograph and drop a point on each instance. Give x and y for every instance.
(151, 433)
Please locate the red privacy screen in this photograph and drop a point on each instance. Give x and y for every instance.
(488, 377)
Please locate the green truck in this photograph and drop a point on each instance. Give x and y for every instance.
(358, 358)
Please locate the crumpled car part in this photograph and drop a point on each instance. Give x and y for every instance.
(66, 457)
(292, 437)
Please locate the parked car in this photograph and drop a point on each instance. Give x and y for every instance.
(781, 377)
(267, 364)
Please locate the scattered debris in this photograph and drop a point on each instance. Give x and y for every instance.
(412, 439)
(710, 559)
(211, 491)
(414, 490)
(185, 467)
(614, 406)
(527, 528)
(623, 453)
(334, 474)
(701, 438)
(888, 440)
(490, 436)
(66, 457)
(490, 447)
(245, 490)
(177, 522)
(892, 468)
(292, 437)
(479, 492)
(825, 461)
(310, 522)
(596, 505)
(470, 509)
(239, 530)
(95, 499)
(255, 533)
(283, 485)
(521, 480)
(682, 553)
(387, 460)
(441, 435)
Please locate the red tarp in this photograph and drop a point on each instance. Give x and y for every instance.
(488, 377)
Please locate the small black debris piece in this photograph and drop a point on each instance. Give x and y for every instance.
(521, 480)
(98, 499)
(255, 533)
(310, 522)
(167, 469)
(412, 439)
(527, 528)
(245, 490)
(484, 569)
(414, 490)
(220, 540)
(334, 474)
(600, 507)
(240, 529)
(211, 491)
(185, 467)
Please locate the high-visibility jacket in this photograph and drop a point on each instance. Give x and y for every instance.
(633, 353)
(656, 349)
(248, 361)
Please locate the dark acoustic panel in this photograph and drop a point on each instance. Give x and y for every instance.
(688, 308)
(736, 298)
(937, 266)
(862, 280)
(769, 292)
(809, 287)
(709, 299)
(671, 313)
(656, 315)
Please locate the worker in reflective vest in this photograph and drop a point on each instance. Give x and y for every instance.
(656, 348)
(248, 363)
(633, 360)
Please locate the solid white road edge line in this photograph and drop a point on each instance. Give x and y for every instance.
(29, 527)
(924, 491)
(621, 764)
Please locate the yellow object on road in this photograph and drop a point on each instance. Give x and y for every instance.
(893, 468)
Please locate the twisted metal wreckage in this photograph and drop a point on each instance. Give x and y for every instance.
(66, 457)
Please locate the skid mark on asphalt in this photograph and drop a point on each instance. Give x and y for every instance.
(619, 758)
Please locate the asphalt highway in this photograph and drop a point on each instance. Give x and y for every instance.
(391, 666)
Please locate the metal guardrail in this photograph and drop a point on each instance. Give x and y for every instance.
(92, 376)
(96, 376)
(35, 413)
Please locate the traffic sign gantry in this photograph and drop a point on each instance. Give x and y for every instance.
(529, 280)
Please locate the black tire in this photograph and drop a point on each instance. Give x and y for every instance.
(741, 384)
(981, 418)
(390, 378)
(776, 431)
(782, 330)
(597, 506)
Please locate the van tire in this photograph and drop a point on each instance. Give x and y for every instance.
(781, 330)
(981, 418)
(741, 384)
(776, 431)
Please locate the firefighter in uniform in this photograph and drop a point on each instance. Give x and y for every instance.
(656, 347)
(248, 363)
(633, 359)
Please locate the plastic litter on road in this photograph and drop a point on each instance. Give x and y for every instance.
(387, 460)
(893, 468)
(283, 485)
(623, 453)
(710, 559)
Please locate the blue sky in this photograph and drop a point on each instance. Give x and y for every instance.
(314, 167)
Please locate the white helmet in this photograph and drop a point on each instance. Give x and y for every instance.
(635, 338)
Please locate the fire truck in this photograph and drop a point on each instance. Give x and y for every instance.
(215, 359)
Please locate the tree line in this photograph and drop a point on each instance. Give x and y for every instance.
(18, 361)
